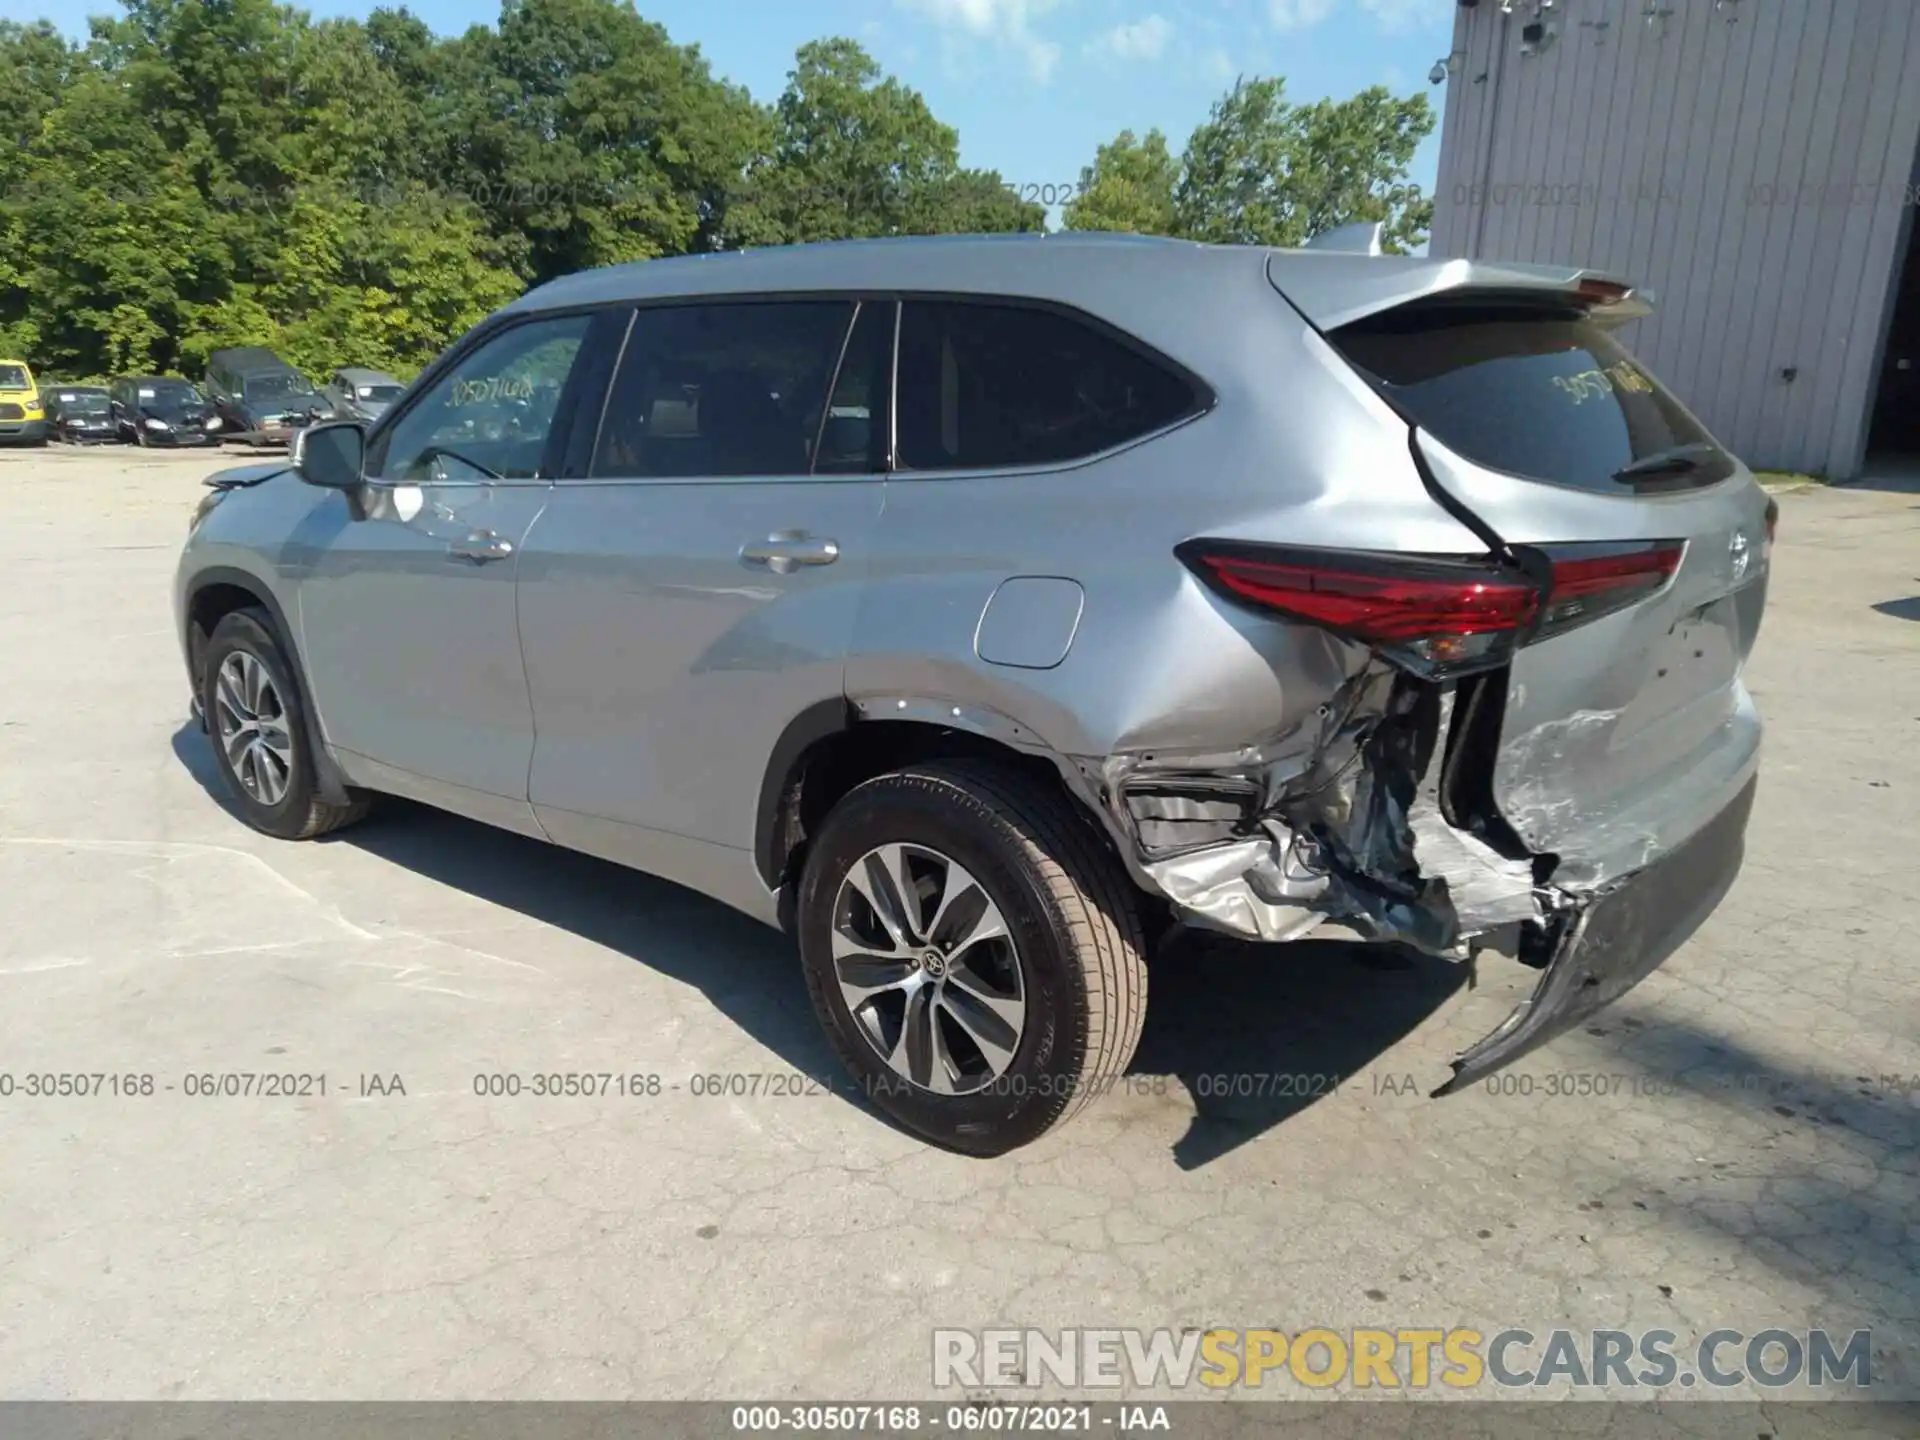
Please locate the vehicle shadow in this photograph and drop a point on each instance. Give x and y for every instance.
(1907, 609)
(1253, 1033)
(1257, 1033)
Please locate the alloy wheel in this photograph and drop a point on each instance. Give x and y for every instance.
(928, 969)
(254, 733)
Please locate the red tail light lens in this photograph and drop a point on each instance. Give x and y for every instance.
(1435, 615)
(1594, 580)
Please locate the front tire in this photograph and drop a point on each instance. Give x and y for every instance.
(262, 740)
(973, 951)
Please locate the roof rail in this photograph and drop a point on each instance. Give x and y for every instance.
(1360, 238)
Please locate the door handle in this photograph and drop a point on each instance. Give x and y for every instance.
(481, 546)
(786, 550)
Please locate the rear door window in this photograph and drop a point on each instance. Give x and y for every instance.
(992, 385)
(853, 433)
(719, 390)
(1536, 391)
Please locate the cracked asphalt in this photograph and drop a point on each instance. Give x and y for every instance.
(1752, 1160)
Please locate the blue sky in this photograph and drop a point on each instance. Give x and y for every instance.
(1034, 85)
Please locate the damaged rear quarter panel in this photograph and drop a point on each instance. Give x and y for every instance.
(1218, 723)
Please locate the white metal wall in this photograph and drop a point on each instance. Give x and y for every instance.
(1753, 161)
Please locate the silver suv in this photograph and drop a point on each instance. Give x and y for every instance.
(978, 608)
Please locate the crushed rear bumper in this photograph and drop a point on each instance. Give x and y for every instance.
(1616, 941)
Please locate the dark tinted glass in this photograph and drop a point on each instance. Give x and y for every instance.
(723, 389)
(1539, 392)
(168, 395)
(277, 386)
(853, 436)
(993, 385)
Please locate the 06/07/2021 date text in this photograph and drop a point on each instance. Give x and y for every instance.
(198, 1084)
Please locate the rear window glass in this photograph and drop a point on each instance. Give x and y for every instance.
(1535, 391)
(985, 386)
(268, 387)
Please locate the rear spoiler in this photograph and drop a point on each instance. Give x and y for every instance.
(1360, 238)
(1335, 283)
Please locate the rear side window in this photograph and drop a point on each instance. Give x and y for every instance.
(853, 433)
(985, 386)
(1536, 391)
(722, 389)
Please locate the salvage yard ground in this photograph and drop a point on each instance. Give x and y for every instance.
(1752, 1160)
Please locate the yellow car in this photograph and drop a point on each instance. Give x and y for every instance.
(21, 417)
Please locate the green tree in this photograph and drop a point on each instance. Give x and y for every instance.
(1129, 187)
(36, 67)
(583, 128)
(856, 154)
(1260, 171)
(36, 64)
(212, 172)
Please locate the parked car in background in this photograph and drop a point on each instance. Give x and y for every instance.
(81, 414)
(978, 608)
(162, 410)
(260, 398)
(359, 394)
(22, 420)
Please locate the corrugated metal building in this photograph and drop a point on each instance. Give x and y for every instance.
(1754, 162)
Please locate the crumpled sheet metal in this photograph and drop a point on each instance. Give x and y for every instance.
(1604, 838)
(1247, 887)
(1350, 831)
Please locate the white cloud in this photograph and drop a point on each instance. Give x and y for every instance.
(1142, 40)
(1391, 16)
(1298, 14)
(1007, 23)
(1398, 16)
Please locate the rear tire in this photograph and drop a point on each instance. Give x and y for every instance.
(262, 739)
(1017, 1033)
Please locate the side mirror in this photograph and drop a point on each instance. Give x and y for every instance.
(330, 454)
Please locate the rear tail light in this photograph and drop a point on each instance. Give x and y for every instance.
(1594, 580)
(1436, 616)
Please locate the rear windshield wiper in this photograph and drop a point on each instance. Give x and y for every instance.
(1677, 461)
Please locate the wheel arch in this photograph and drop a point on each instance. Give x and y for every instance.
(215, 593)
(831, 747)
